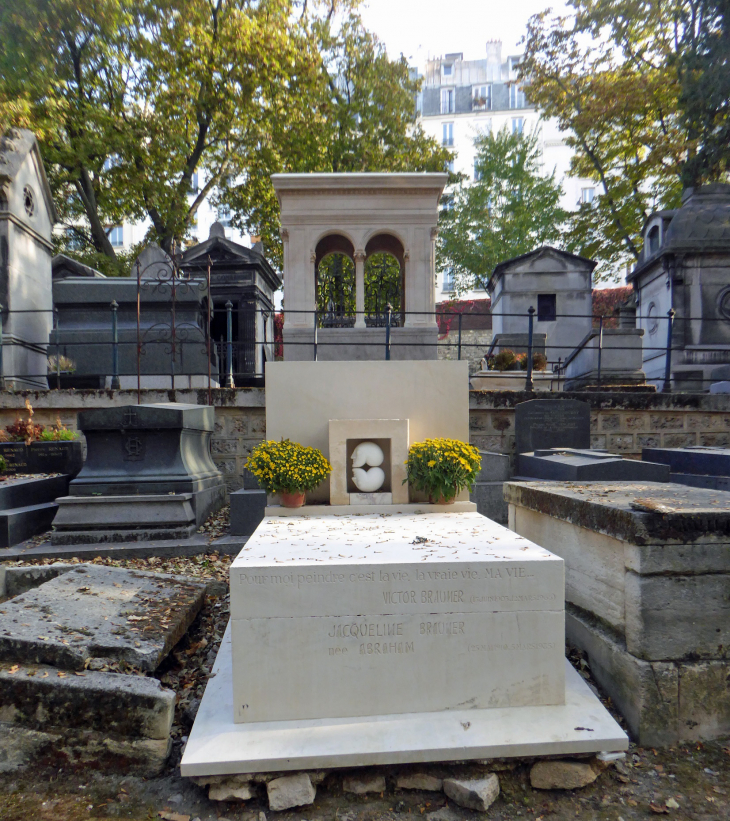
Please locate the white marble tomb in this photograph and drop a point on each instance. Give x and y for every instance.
(378, 615)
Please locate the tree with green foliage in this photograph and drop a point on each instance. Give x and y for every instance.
(641, 89)
(358, 115)
(131, 99)
(511, 208)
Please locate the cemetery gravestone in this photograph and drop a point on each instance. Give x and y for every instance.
(148, 475)
(695, 466)
(571, 465)
(543, 423)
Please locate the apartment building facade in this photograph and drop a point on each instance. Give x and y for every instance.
(462, 98)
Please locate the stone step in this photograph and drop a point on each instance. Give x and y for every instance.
(20, 523)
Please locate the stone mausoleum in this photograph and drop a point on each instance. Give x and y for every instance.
(243, 277)
(359, 215)
(558, 286)
(27, 215)
(685, 265)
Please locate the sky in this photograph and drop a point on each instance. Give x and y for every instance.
(430, 28)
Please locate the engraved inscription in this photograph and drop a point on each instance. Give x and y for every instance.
(442, 628)
(129, 420)
(492, 648)
(133, 448)
(386, 648)
(358, 630)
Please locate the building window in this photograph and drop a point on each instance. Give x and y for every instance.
(447, 69)
(654, 239)
(224, 215)
(482, 98)
(516, 96)
(447, 101)
(587, 195)
(546, 308)
(447, 202)
(448, 137)
(116, 236)
(518, 125)
(449, 282)
(194, 184)
(73, 240)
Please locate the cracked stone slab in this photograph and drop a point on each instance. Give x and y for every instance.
(99, 612)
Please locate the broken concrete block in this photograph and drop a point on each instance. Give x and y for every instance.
(563, 775)
(419, 781)
(115, 704)
(362, 784)
(19, 746)
(20, 579)
(290, 791)
(231, 789)
(474, 793)
(99, 612)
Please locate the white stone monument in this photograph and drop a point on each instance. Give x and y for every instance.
(27, 215)
(359, 215)
(392, 633)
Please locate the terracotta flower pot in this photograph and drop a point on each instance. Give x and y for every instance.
(442, 500)
(292, 499)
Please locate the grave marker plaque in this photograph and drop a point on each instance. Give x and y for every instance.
(541, 424)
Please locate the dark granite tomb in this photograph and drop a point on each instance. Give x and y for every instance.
(694, 466)
(148, 474)
(552, 423)
(574, 465)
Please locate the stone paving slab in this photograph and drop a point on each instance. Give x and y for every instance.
(43, 698)
(166, 549)
(99, 612)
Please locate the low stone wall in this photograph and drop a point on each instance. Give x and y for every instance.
(621, 422)
(474, 346)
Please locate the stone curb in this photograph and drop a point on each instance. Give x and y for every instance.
(43, 698)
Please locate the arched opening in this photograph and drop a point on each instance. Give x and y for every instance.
(335, 282)
(384, 280)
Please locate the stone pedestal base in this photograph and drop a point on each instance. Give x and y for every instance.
(648, 692)
(101, 519)
(218, 746)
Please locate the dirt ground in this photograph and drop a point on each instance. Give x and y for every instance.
(694, 779)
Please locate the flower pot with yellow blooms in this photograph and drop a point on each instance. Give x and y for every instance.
(442, 468)
(289, 469)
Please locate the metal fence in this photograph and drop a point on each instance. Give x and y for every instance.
(224, 357)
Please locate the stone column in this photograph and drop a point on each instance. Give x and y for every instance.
(360, 289)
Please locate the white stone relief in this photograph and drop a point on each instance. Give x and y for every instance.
(368, 455)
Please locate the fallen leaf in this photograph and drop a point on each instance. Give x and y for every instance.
(671, 804)
(172, 816)
(60, 674)
(659, 809)
(14, 669)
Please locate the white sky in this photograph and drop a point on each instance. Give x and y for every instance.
(427, 28)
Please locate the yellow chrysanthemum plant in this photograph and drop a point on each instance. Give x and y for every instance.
(287, 467)
(442, 468)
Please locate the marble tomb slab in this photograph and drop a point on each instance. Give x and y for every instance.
(342, 614)
(218, 746)
(99, 612)
(385, 564)
(356, 666)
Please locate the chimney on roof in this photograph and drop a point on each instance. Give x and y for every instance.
(494, 59)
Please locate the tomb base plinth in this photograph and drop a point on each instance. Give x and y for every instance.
(108, 519)
(219, 746)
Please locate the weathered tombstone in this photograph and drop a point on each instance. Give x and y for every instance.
(571, 465)
(487, 492)
(561, 423)
(148, 475)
